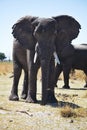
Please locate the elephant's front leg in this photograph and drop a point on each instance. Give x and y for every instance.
(17, 73)
(32, 78)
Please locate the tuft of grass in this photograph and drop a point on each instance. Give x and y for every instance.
(78, 74)
(67, 112)
(70, 112)
(81, 112)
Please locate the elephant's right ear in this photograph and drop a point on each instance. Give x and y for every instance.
(23, 30)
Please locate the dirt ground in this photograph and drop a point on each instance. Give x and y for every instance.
(19, 115)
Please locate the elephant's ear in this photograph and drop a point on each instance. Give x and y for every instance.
(68, 24)
(23, 30)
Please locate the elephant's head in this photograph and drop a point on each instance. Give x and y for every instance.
(23, 32)
(45, 34)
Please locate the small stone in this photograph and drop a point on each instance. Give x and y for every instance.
(71, 121)
(10, 120)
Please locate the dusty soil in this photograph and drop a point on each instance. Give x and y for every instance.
(18, 115)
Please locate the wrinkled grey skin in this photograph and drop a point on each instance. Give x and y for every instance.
(79, 61)
(43, 32)
(19, 64)
(23, 31)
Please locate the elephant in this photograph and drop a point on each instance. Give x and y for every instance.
(47, 35)
(79, 61)
(19, 64)
(23, 32)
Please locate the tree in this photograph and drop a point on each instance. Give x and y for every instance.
(2, 56)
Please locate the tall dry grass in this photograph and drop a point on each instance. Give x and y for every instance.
(5, 68)
(78, 74)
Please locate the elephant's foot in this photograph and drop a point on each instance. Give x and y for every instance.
(13, 97)
(51, 97)
(23, 96)
(31, 98)
(66, 87)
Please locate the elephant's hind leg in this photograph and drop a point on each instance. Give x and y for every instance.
(25, 86)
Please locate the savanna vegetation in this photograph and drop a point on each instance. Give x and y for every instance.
(6, 67)
(69, 114)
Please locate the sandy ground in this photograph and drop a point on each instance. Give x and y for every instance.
(18, 115)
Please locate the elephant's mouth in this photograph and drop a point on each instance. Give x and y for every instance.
(54, 54)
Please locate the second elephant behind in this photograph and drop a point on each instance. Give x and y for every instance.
(78, 60)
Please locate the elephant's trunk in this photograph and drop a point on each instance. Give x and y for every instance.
(45, 76)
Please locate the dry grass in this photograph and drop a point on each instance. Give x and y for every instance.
(81, 112)
(79, 74)
(67, 112)
(70, 112)
(5, 68)
(19, 115)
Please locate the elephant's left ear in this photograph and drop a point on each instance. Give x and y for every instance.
(68, 23)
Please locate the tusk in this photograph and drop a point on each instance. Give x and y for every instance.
(35, 57)
(56, 57)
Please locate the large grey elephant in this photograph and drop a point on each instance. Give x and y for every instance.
(23, 32)
(52, 34)
(78, 61)
(45, 34)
